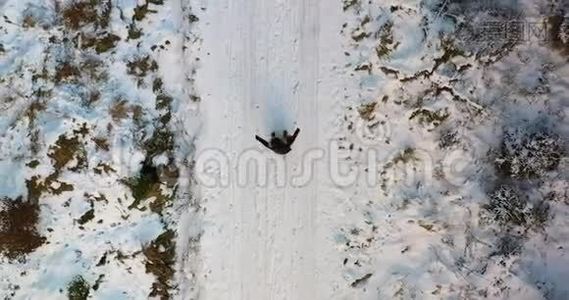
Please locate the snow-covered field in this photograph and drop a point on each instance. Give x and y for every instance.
(431, 161)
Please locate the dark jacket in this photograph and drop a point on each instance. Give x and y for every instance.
(279, 145)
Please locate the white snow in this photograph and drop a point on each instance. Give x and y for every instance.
(386, 193)
(260, 71)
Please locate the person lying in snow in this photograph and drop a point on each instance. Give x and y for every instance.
(279, 145)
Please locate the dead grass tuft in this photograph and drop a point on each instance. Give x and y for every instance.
(83, 13)
(367, 110)
(160, 259)
(64, 151)
(18, 228)
(66, 72)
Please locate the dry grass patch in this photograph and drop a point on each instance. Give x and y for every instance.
(18, 228)
(160, 259)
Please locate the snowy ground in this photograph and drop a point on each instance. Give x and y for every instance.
(431, 163)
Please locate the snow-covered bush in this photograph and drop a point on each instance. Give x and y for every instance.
(508, 245)
(78, 288)
(485, 28)
(448, 139)
(507, 206)
(540, 214)
(37, 14)
(511, 207)
(529, 154)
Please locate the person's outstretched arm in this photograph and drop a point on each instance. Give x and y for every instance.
(262, 141)
(291, 139)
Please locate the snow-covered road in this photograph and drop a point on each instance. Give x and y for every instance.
(261, 66)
